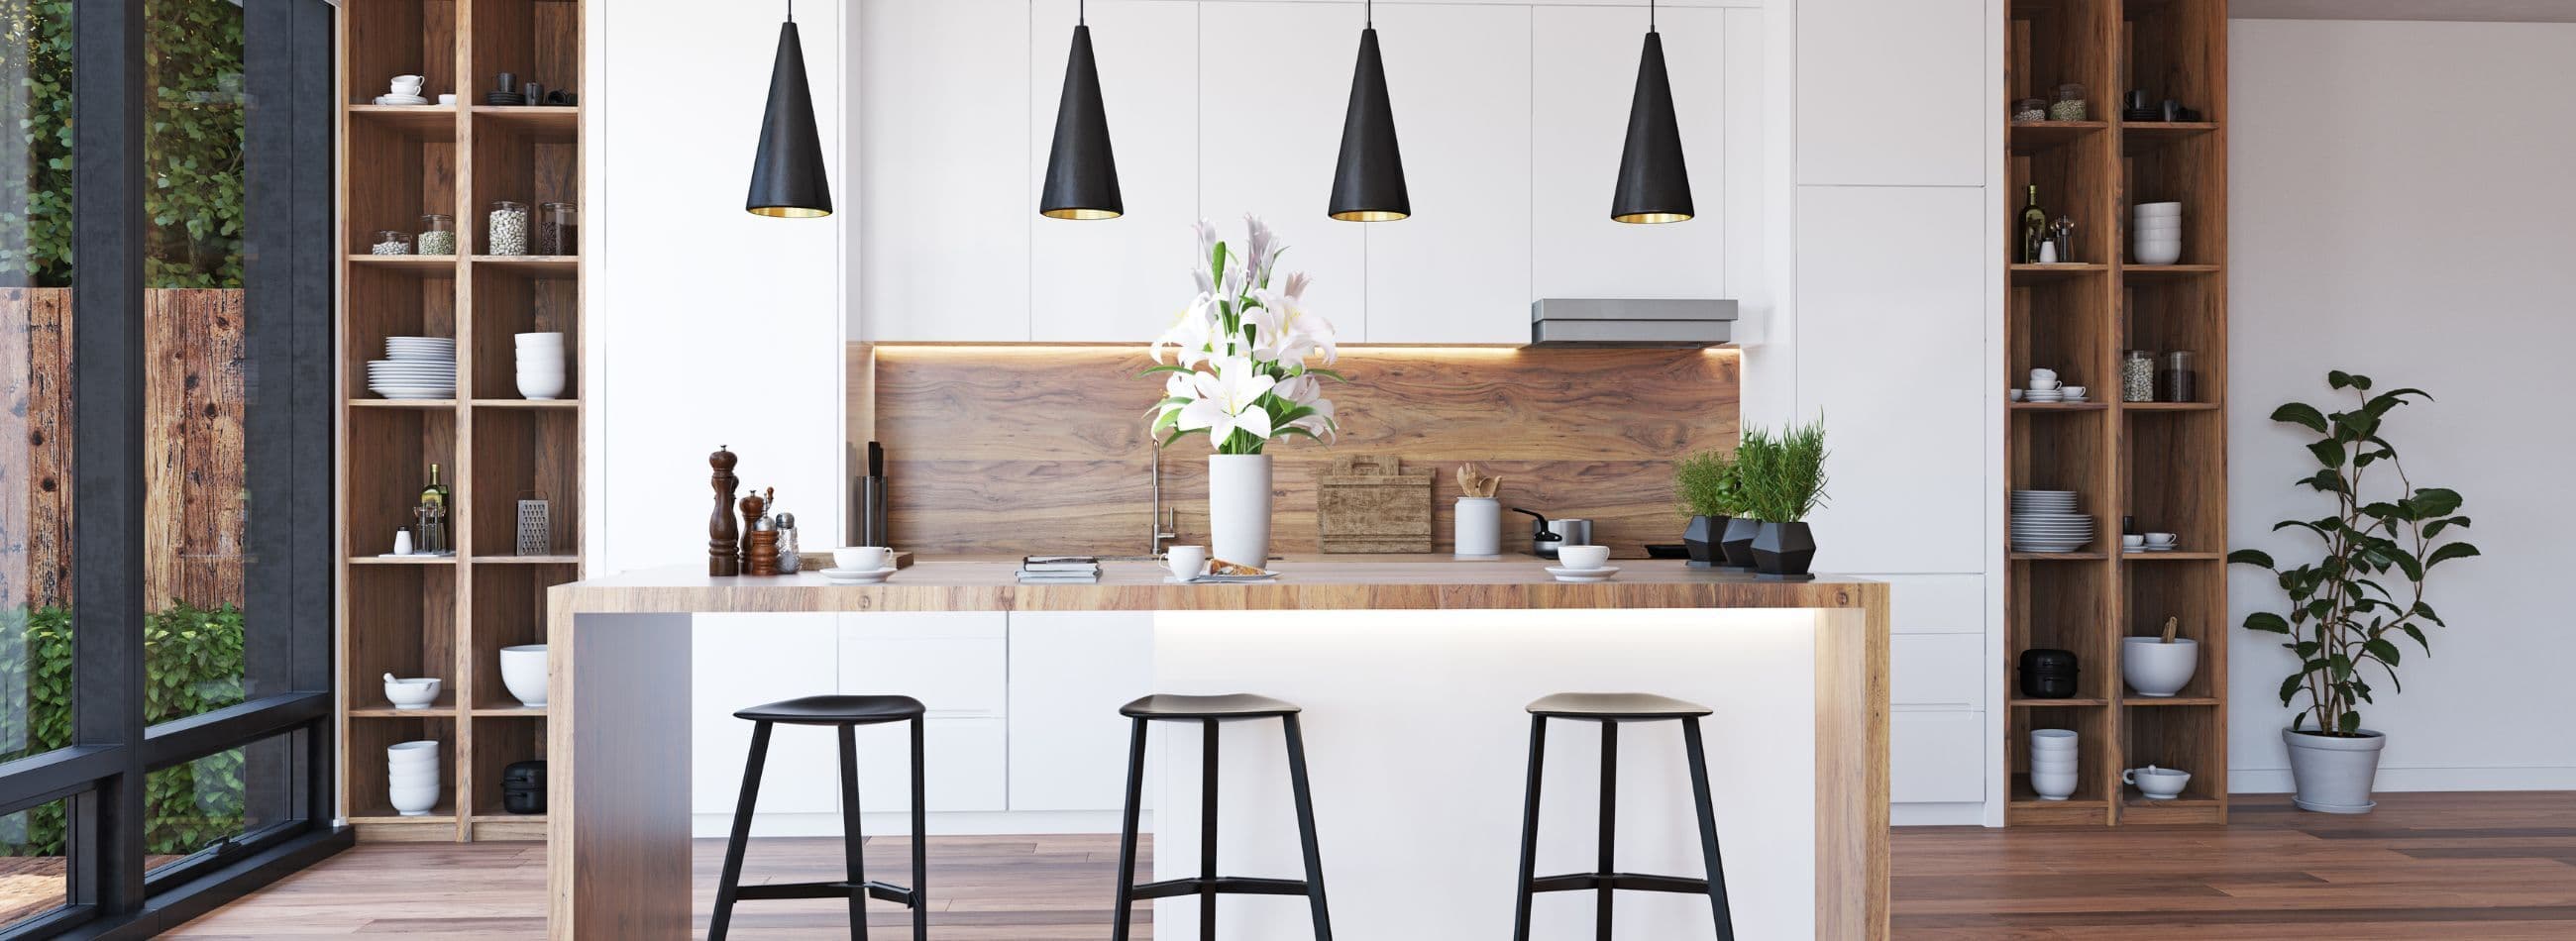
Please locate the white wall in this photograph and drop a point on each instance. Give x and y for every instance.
(708, 325)
(2398, 210)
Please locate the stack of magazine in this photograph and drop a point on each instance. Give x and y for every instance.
(1059, 569)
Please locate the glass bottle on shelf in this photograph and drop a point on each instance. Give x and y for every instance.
(508, 229)
(558, 229)
(433, 512)
(2176, 381)
(2034, 227)
(437, 234)
(2138, 376)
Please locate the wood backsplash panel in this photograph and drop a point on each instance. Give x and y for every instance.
(1021, 449)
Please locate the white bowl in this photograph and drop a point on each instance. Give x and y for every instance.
(545, 336)
(412, 692)
(413, 776)
(2157, 783)
(2156, 669)
(2156, 209)
(1584, 557)
(523, 672)
(2053, 785)
(2164, 254)
(541, 387)
(413, 801)
(2052, 738)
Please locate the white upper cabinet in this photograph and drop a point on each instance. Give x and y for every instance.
(1271, 93)
(1459, 79)
(1894, 94)
(1118, 280)
(1586, 74)
(944, 206)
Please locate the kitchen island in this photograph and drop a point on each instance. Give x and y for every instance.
(1411, 670)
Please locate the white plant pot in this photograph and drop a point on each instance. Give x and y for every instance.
(1239, 508)
(2157, 669)
(2333, 773)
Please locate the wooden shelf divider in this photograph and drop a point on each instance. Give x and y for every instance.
(448, 617)
(2168, 468)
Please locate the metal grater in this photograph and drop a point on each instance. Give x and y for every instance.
(536, 528)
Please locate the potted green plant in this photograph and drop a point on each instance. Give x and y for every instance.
(1712, 497)
(1783, 479)
(2361, 593)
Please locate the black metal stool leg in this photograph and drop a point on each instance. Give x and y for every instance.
(1306, 828)
(1529, 828)
(1120, 916)
(920, 840)
(1708, 830)
(731, 881)
(851, 839)
(1609, 824)
(1207, 833)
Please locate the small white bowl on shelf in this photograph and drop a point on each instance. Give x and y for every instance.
(412, 692)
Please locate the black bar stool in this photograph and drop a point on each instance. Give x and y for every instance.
(847, 713)
(1209, 711)
(1611, 709)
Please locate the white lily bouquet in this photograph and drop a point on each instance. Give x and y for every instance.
(1240, 372)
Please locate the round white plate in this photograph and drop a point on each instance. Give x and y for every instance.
(841, 576)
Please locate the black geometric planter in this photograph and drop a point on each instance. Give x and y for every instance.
(1737, 542)
(1783, 551)
(1700, 538)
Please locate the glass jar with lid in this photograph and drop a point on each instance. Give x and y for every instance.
(390, 242)
(507, 229)
(558, 229)
(2176, 378)
(437, 234)
(2138, 376)
(2069, 105)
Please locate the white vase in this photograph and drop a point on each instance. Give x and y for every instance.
(1239, 508)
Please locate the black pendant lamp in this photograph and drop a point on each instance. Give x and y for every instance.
(1082, 174)
(1368, 184)
(1654, 181)
(788, 180)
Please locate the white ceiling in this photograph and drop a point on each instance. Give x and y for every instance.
(2545, 11)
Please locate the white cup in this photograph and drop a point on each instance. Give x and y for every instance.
(1583, 557)
(2162, 539)
(2043, 374)
(2046, 385)
(2074, 392)
(447, 99)
(862, 558)
(1186, 561)
(2133, 541)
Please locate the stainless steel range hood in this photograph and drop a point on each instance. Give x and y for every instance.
(1590, 321)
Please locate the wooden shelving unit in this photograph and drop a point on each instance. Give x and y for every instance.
(2163, 463)
(450, 617)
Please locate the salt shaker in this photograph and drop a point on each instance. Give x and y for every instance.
(788, 562)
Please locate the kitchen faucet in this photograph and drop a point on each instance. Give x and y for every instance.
(1154, 523)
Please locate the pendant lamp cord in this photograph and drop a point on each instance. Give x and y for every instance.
(791, 11)
(1081, 13)
(1650, 15)
(1371, 14)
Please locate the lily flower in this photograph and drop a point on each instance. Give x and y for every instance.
(1229, 400)
(1194, 332)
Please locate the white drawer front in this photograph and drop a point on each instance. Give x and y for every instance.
(1938, 671)
(956, 664)
(744, 660)
(1069, 674)
(1936, 604)
(1937, 758)
(965, 766)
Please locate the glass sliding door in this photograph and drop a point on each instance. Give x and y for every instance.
(165, 455)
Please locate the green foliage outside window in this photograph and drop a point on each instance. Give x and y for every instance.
(193, 143)
(193, 664)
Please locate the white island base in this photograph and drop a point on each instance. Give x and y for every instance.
(1417, 744)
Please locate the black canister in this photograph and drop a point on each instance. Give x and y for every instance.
(523, 787)
(2047, 673)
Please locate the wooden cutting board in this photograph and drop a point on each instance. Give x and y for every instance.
(1370, 503)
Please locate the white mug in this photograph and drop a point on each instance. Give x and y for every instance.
(1186, 561)
(862, 558)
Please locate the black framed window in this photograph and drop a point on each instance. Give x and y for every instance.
(165, 354)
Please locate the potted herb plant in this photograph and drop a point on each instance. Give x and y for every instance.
(1713, 497)
(2362, 591)
(1782, 477)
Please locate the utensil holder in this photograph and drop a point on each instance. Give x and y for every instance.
(1479, 527)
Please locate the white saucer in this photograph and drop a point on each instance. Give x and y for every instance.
(1601, 574)
(401, 100)
(840, 576)
(1221, 579)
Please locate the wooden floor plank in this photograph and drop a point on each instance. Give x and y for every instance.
(2495, 866)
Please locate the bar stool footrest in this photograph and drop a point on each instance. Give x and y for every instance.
(1622, 881)
(879, 891)
(1222, 885)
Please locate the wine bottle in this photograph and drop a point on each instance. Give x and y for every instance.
(434, 514)
(2034, 227)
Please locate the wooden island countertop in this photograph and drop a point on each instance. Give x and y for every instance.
(1339, 582)
(619, 681)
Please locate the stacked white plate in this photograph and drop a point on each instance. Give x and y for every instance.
(414, 368)
(2048, 521)
(2155, 233)
(541, 365)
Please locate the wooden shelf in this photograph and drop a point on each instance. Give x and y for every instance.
(2168, 406)
(2142, 136)
(2057, 556)
(2065, 270)
(418, 122)
(423, 265)
(2057, 406)
(2077, 703)
(2172, 701)
(2151, 271)
(2036, 136)
(2178, 555)
(449, 616)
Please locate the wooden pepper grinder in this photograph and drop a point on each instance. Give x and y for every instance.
(760, 551)
(722, 538)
